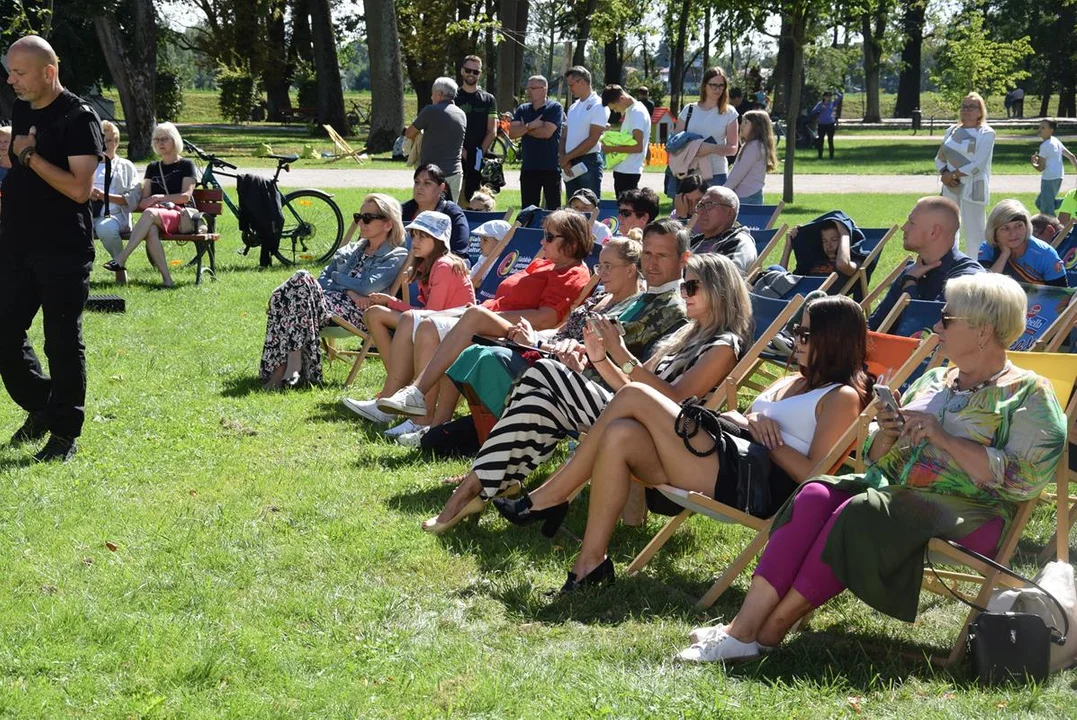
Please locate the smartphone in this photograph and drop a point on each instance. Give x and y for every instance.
(616, 323)
(888, 399)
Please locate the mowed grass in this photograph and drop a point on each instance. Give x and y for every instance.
(267, 560)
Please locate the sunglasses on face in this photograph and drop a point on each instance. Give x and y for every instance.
(689, 287)
(471, 71)
(629, 212)
(802, 334)
(367, 218)
(549, 238)
(947, 319)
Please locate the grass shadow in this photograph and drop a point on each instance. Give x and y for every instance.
(241, 386)
(17, 462)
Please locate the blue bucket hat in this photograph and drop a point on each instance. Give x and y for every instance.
(435, 224)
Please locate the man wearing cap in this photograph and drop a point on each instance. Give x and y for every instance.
(538, 125)
(719, 231)
(584, 125)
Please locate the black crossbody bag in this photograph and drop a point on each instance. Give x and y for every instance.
(1003, 647)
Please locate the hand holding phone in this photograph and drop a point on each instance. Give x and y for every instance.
(889, 401)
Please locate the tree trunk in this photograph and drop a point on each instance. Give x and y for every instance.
(326, 67)
(522, 18)
(614, 68)
(676, 65)
(277, 76)
(873, 51)
(301, 37)
(583, 31)
(132, 62)
(908, 94)
(783, 75)
(707, 38)
(798, 26)
(506, 55)
(386, 75)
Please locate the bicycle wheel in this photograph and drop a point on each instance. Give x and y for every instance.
(313, 228)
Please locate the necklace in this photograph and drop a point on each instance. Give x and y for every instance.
(960, 398)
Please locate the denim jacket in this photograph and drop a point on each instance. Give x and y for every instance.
(352, 269)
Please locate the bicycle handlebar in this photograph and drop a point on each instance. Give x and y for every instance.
(211, 159)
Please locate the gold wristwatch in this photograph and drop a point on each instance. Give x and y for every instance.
(629, 365)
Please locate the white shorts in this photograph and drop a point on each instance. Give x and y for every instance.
(442, 320)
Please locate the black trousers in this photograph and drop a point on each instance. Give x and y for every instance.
(624, 181)
(472, 179)
(826, 132)
(544, 182)
(58, 286)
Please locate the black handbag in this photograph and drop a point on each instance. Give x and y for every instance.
(752, 460)
(1004, 647)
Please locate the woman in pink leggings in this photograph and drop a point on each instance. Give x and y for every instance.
(971, 441)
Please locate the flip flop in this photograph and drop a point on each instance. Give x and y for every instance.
(113, 266)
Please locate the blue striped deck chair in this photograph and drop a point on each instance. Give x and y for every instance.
(1066, 245)
(515, 252)
(538, 216)
(759, 217)
(608, 205)
(871, 248)
(1049, 317)
(474, 219)
(810, 283)
(765, 242)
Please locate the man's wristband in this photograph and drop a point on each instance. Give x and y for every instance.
(24, 156)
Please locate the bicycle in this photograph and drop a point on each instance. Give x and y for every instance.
(358, 114)
(504, 146)
(313, 224)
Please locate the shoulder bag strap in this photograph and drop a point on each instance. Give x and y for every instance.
(1056, 637)
(688, 118)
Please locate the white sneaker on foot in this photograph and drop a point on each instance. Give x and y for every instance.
(702, 633)
(367, 409)
(412, 439)
(408, 426)
(720, 647)
(407, 400)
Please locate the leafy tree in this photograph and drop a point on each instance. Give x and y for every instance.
(970, 60)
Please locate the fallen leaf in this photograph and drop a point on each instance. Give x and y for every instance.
(117, 378)
(949, 695)
(193, 493)
(111, 545)
(1002, 705)
(854, 702)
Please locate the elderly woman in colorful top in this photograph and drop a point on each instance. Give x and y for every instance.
(1011, 249)
(964, 166)
(971, 441)
(303, 305)
(540, 294)
(552, 399)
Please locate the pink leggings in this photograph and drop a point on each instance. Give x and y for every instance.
(793, 556)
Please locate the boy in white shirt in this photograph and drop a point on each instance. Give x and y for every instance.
(1048, 160)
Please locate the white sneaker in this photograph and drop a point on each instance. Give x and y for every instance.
(412, 439)
(405, 401)
(720, 647)
(702, 633)
(408, 426)
(367, 409)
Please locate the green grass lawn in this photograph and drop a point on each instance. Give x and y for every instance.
(268, 560)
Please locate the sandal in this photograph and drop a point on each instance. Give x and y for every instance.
(113, 266)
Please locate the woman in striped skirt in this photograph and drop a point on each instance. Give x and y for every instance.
(553, 399)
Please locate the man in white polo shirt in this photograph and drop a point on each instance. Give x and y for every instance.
(584, 125)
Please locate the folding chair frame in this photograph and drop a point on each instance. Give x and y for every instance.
(861, 274)
(343, 146)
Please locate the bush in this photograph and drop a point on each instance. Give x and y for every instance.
(239, 93)
(307, 83)
(168, 97)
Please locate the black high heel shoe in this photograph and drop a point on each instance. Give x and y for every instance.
(518, 512)
(603, 573)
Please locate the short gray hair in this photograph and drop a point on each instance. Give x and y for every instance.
(169, 129)
(725, 195)
(446, 86)
(539, 79)
(989, 299)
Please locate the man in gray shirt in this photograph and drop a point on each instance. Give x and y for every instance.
(442, 124)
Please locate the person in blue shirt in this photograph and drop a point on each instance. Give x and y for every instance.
(1011, 249)
(929, 232)
(825, 114)
(538, 125)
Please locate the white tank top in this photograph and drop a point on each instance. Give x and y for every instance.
(795, 415)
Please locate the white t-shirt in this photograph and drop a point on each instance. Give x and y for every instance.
(581, 116)
(711, 123)
(1051, 152)
(635, 118)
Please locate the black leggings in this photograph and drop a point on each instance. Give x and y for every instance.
(826, 131)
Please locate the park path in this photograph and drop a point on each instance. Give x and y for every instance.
(356, 177)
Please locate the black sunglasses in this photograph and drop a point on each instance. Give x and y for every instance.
(367, 217)
(628, 212)
(471, 71)
(690, 287)
(549, 237)
(802, 333)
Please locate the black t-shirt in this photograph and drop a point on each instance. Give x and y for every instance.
(38, 219)
(173, 175)
(479, 107)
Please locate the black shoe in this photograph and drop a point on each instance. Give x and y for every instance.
(518, 512)
(600, 575)
(57, 448)
(35, 428)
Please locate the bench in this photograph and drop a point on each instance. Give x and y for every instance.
(209, 203)
(305, 114)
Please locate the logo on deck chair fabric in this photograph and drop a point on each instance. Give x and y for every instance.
(612, 223)
(508, 263)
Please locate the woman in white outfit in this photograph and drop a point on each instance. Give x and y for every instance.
(964, 165)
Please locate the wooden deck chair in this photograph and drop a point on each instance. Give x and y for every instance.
(475, 218)
(344, 150)
(1050, 312)
(911, 318)
(900, 354)
(516, 251)
(759, 217)
(1064, 234)
(1061, 370)
(884, 284)
(765, 242)
(592, 284)
(875, 240)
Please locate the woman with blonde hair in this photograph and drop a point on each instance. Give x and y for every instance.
(552, 399)
(167, 187)
(757, 156)
(303, 304)
(964, 166)
(1011, 249)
